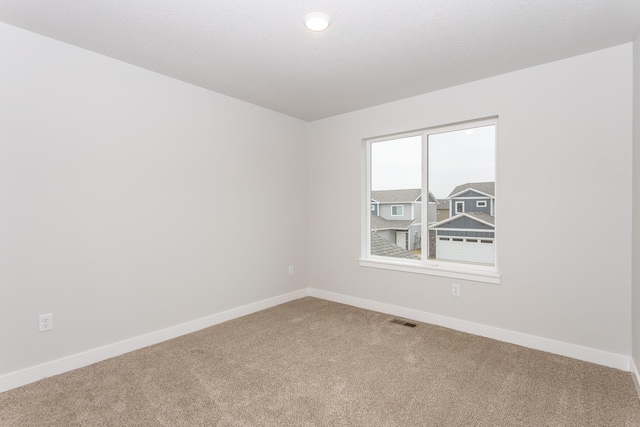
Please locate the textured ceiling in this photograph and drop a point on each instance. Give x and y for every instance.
(375, 51)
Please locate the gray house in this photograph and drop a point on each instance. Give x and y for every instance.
(396, 216)
(468, 237)
(469, 232)
(473, 197)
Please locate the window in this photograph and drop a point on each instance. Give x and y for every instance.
(455, 163)
(397, 210)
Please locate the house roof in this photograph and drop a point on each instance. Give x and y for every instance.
(396, 196)
(382, 247)
(476, 216)
(483, 187)
(379, 223)
(400, 196)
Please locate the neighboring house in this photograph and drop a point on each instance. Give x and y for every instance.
(397, 231)
(473, 197)
(382, 247)
(468, 234)
(442, 209)
(468, 237)
(396, 215)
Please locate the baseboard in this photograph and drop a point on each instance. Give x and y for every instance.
(35, 373)
(635, 376)
(587, 354)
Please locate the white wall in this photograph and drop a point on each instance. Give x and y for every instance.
(132, 202)
(636, 202)
(564, 136)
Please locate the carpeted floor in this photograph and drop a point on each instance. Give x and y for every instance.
(312, 362)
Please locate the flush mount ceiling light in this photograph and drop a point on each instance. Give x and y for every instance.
(316, 21)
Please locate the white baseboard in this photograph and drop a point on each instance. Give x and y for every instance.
(35, 373)
(587, 354)
(635, 375)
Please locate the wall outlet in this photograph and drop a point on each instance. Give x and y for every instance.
(291, 270)
(455, 290)
(46, 322)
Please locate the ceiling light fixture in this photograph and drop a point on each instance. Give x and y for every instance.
(316, 21)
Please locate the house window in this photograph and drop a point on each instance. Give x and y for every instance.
(448, 162)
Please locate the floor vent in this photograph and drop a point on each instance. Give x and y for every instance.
(403, 323)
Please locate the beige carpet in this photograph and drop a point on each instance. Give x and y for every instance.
(316, 363)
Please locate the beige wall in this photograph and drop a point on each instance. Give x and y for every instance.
(564, 135)
(442, 215)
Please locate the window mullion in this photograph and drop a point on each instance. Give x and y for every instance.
(425, 198)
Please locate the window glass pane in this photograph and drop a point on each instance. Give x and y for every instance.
(397, 210)
(433, 196)
(461, 169)
(396, 178)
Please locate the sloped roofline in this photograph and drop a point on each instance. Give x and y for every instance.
(382, 247)
(431, 196)
(394, 224)
(453, 218)
(471, 189)
(487, 186)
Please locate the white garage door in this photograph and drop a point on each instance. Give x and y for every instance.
(465, 249)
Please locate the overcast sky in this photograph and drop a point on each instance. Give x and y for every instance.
(454, 158)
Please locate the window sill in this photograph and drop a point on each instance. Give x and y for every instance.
(492, 277)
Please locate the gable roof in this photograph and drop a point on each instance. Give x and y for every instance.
(382, 247)
(480, 217)
(401, 196)
(488, 188)
(379, 223)
(396, 196)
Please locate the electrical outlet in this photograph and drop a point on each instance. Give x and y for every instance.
(455, 290)
(291, 270)
(46, 322)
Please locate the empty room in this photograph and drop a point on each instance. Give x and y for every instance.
(320, 213)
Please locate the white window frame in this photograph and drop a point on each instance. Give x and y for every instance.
(454, 270)
(455, 207)
(401, 210)
(481, 204)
